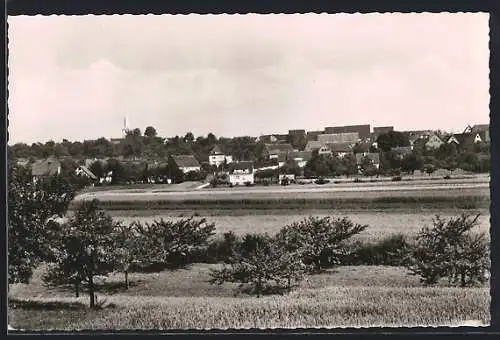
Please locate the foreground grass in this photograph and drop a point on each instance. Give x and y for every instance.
(348, 296)
(325, 307)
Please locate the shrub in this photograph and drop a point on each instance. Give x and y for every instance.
(447, 177)
(390, 251)
(396, 179)
(321, 181)
(358, 180)
(450, 250)
(221, 249)
(248, 184)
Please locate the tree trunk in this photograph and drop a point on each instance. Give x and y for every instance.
(91, 291)
(126, 279)
(289, 284)
(259, 286)
(462, 279)
(77, 289)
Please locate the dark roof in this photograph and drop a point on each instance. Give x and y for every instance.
(382, 129)
(185, 161)
(279, 148)
(297, 132)
(362, 130)
(363, 147)
(464, 138)
(480, 127)
(313, 135)
(87, 172)
(46, 167)
(339, 147)
(216, 150)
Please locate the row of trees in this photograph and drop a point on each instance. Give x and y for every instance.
(147, 146)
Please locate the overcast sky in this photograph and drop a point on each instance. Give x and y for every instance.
(78, 77)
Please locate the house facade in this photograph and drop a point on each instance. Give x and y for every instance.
(218, 157)
(483, 130)
(340, 150)
(242, 173)
(433, 142)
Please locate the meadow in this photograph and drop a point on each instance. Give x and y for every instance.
(351, 296)
(381, 223)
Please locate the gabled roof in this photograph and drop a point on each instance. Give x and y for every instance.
(279, 148)
(185, 161)
(339, 147)
(216, 150)
(45, 167)
(87, 172)
(313, 145)
(464, 138)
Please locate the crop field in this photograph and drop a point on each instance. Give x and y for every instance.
(381, 223)
(360, 296)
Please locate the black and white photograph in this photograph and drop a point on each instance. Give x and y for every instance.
(253, 171)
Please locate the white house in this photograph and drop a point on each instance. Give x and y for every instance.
(241, 173)
(217, 157)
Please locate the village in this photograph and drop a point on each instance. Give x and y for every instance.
(338, 151)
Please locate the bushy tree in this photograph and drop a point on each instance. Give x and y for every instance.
(321, 241)
(449, 249)
(150, 132)
(32, 207)
(411, 162)
(392, 139)
(131, 248)
(262, 263)
(172, 242)
(86, 248)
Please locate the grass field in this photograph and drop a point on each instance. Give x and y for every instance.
(360, 296)
(381, 223)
